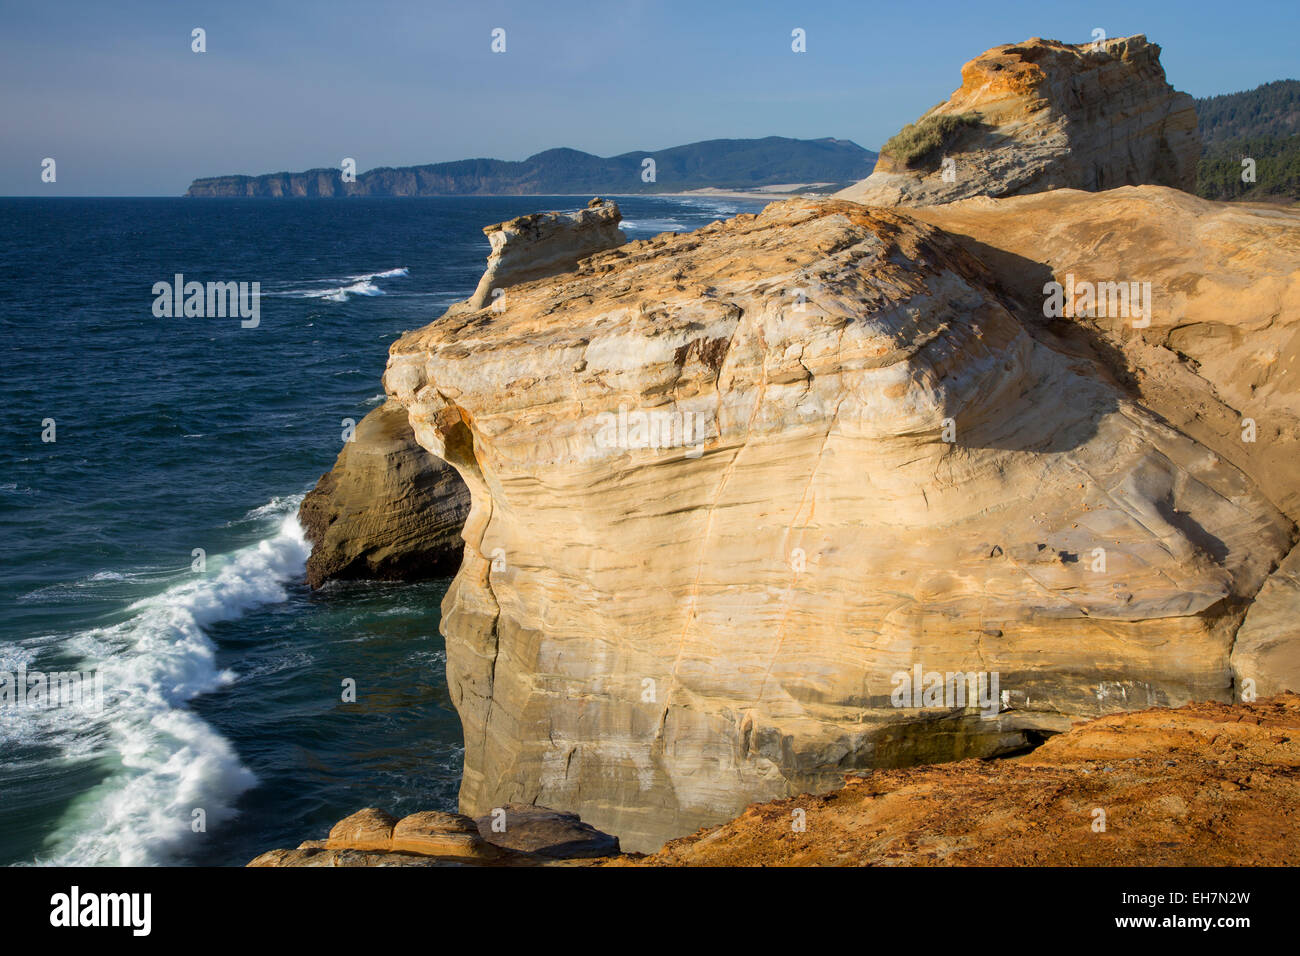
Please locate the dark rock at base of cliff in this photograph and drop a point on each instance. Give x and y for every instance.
(388, 510)
(550, 833)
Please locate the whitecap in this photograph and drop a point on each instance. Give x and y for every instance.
(277, 507)
(364, 287)
(654, 226)
(390, 274)
(355, 285)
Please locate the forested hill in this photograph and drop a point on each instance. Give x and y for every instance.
(1269, 110)
(1262, 124)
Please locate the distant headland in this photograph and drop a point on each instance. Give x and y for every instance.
(739, 164)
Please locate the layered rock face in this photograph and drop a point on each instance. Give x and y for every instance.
(1216, 356)
(1046, 115)
(1223, 335)
(387, 510)
(545, 244)
(732, 490)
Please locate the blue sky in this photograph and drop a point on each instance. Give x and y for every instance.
(113, 92)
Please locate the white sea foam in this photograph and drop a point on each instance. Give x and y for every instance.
(275, 508)
(353, 285)
(717, 208)
(654, 226)
(163, 761)
(363, 287)
(390, 274)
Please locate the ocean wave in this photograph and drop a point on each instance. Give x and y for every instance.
(163, 760)
(299, 661)
(717, 208)
(364, 287)
(277, 507)
(63, 592)
(14, 656)
(390, 274)
(654, 226)
(354, 285)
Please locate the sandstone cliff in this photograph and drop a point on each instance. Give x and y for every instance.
(1215, 357)
(728, 486)
(831, 488)
(387, 510)
(1043, 115)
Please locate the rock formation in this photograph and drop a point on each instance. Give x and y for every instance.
(390, 510)
(511, 836)
(1266, 651)
(1216, 357)
(1043, 115)
(731, 489)
(545, 244)
(1205, 785)
(387, 510)
(545, 832)
(835, 487)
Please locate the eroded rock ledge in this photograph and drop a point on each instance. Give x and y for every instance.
(545, 244)
(866, 459)
(510, 836)
(1043, 115)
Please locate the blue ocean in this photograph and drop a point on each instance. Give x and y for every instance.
(151, 472)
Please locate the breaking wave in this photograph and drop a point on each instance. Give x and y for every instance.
(162, 761)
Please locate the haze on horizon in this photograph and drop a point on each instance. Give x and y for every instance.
(116, 96)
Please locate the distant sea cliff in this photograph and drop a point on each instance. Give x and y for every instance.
(722, 163)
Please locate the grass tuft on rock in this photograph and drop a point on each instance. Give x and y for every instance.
(917, 141)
